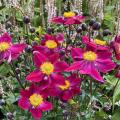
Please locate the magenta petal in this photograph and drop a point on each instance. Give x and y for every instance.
(96, 75)
(104, 54)
(60, 37)
(58, 20)
(60, 66)
(16, 49)
(69, 21)
(6, 55)
(105, 65)
(49, 37)
(117, 74)
(36, 113)
(54, 91)
(90, 69)
(80, 18)
(74, 80)
(57, 79)
(24, 103)
(52, 58)
(45, 106)
(6, 38)
(77, 53)
(25, 93)
(39, 58)
(74, 66)
(35, 76)
(76, 90)
(41, 49)
(117, 56)
(66, 95)
(85, 39)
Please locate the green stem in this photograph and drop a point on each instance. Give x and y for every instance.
(16, 75)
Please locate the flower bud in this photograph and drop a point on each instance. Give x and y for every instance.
(28, 49)
(79, 30)
(84, 27)
(26, 19)
(62, 52)
(92, 21)
(34, 43)
(32, 30)
(96, 26)
(17, 70)
(50, 30)
(106, 32)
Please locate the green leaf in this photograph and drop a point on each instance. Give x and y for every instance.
(101, 115)
(116, 115)
(4, 69)
(19, 16)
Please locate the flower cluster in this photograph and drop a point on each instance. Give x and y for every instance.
(60, 66)
(49, 76)
(55, 75)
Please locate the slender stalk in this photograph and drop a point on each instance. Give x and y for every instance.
(16, 75)
(91, 92)
(89, 33)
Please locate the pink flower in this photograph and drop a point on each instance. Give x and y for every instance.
(68, 18)
(118, 74)
(96, 43)
(91, 62)
(8, 50)
(52, 41)
(48, 70)
(70, 88)
(50, 45)
(33, 99)
(116, 47)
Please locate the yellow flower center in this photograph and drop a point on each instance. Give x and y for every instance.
(90, 56)
(66, 86)
(4, 46)
(100, 42)
(35, 99)
(68, 14)
(51, 44)
(47, 68)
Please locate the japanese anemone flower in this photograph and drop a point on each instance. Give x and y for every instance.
(96, 43)
(52, 41)
(33, 99)
(91, 62)
(48, 70)
(8, 50)
(68, 18)
(50, 45)
(70, 88)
